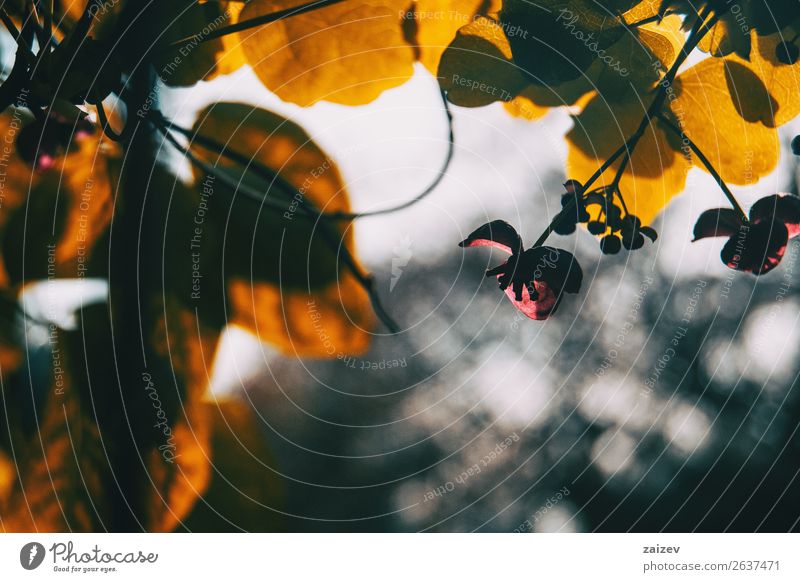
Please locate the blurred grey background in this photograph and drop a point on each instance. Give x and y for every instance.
(662, 397)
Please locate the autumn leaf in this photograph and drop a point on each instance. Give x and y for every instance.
(18, 176)
(350, 53)
(197, 58)
(554, 41)
(347, 53)
(431, 25)
(737, 23)
(68, 204)
(478, 69)
(525, 107)
(59, 485)
(721, 106)
(749, 95)
(59, 471)
(179, 467)
(781, 99)
(725, 37)
(635, 63)
(711, 99)
(657, 169)
(284, 281)
(245, 489)
(643, 10)
(101, 457)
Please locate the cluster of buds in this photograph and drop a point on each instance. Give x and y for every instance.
(602, 217)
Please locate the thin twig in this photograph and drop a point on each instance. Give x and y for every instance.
(619, 195)
(268, 174)
(253, 194)
(615, 190)
(105, 125)
(427, 191)
(621, 170)
(707, 163)
(45, 33)
(644, 21)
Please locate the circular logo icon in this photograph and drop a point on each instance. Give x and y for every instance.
(31, 555)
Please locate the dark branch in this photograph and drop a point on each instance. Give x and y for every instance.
(422, 195)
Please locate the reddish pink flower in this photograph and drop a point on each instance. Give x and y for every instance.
(534, 279)
(759, 245)
(42, 142)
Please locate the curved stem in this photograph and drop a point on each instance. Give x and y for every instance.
(366, 280)
(310, 211)
(615, 191)
(212, 145)
(105, 125)
(620, 171)
(268, 174)
(422, 195)
(708, 165)
(619, 195)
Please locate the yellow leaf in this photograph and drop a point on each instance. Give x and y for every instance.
(476, 69)
(657, 170)
(17, 179)
(631, 66)
(742, 151)
(61, 471)
(726, 37)
(642, 11)
(8, 473)
(276, 262)
(178, 484)
(436, 22)
(231, 58)
(782, 81)
(636, 61)
(524, 107)
(69, 208)
(323, 324)
(179, 464)
(111, 449)
(196, 59)
(749, 95)
(245, 489)
(89, 177)
(555, 41)
(348, 53)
